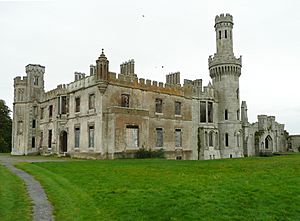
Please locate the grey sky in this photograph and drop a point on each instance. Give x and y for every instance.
(67, 36)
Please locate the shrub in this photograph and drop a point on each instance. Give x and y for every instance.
(144, 153)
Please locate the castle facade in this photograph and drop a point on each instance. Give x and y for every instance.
(107, 115)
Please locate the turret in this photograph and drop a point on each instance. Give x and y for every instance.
(225, 70)
(102, 67)
(35, 81)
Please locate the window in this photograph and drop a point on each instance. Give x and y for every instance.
(49, 138)
(226, 114)
(202, 111)
(91, 101)
(158, 105)
(178, 138)
(159, 137)
(238, 139)
(220, 34)
(124, 100)
(77, 104)
(177, 108)
(237, 93)
(33, 123)
(210, 112)
(42, 113)
(210, 138)
(63, 105)
(36, 80)
(33, 142)
(91, 136)
(50, 111)
(225, 33)
(41, 140)
(206, 139)
(216, 140)
(77, 137)
(178, 157)
(238, 114)
(132, 136)
(226, 140)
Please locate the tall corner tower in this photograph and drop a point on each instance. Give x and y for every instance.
(225, 70)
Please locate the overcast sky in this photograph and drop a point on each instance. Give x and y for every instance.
(67, 36)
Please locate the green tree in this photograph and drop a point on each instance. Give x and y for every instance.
(5, 128)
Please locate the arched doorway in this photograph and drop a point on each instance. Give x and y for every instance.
(63, 141)
(268, 143)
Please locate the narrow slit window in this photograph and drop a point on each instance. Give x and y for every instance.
(225, 33)
(226, 140)
(226, 114)
(220, 34)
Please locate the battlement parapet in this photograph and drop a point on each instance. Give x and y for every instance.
(83, 82)
(35, 68)
(224, 18)
(224, 60)
(20, 81)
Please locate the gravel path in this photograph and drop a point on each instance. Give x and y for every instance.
(42, 208)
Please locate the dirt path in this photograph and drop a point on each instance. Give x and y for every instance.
(42, 208)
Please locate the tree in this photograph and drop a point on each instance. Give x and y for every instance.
(5, 128)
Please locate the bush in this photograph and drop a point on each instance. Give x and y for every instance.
(144, 153)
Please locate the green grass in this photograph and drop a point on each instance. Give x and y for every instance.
(233, 189)
(14, 202)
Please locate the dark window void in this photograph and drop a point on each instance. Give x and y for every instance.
(158, 105)
(49, 138)
(77, 137)
(50, 111)
(226, 140)
(225, 33)
(124, 100)
(33, 142)
(33, 123)
(237, 93)
(42, 113)
(210, 112)
(220, 34)
(91, 136)
(178, 138)
(226, 114)
(210, 138)
(63, 105)
(91, 101)
(77, 104)
(202, 111)
(159, 137)
(238, 114)
(177, 108)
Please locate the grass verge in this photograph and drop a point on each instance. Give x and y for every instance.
(232, 189)
(14, 201)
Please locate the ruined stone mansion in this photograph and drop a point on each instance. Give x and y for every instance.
(106, 115)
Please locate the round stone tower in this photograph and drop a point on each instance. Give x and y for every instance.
(225, 70)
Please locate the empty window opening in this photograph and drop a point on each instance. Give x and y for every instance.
(77, 104)
(230, 155)
(210, 138)
(202, 111)
(91, 101)
(226, 114)
(220, 34)
(225, 33)
(158, 105)
(238, 139)
(237, 93)
(124, 100)
(206, 139)
(226, 140)
(132, 136)
(41, 140)
(77, 137)
(50, 111)
(33, 123)
(49, 138)
(91, 136)
(178, 138)
(178, 157)
(63, 105)
(238, 114)
(210, 112)
(33, 142)
(36, 80)
(177, 108)
(159, 137)
(42, 113)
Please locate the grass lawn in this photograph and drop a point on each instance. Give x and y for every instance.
(232, 189)
(14, 202)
